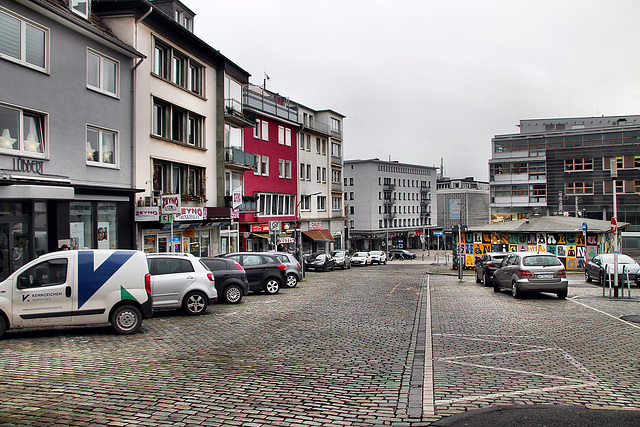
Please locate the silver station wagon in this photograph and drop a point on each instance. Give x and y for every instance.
(531, 272)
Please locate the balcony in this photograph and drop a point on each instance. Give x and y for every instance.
(389, 215)
(259, 99)
(389, 187)
(388, 202)
(233, 114)
(240, 160)
(336, 160)
(246, 206)
(424, 189)
(336, 186)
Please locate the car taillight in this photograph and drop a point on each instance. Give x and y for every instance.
(239, 266)
(147, 283)
(298, 264)
(491, 264)
(210, 277)
(561, 273)
(524, 273)
(282, 267)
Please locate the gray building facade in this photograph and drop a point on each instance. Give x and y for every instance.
(389, 204)
(66, 120)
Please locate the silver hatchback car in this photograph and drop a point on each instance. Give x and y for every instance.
(293, 269)
(531, 272)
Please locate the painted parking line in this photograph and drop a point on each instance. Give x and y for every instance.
(633, 325)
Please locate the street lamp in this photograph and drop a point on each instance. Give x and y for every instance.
(299, 231)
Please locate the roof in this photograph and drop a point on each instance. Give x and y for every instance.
(549, 224)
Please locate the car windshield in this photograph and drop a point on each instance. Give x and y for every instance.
(364, 254)
(541, 261)
(339, 253)
(375, 253)
(321, 256)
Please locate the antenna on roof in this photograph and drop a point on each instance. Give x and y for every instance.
(264, 81)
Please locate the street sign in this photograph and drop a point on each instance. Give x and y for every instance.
(437, 232)
(584, 227)
(275, 226)
(614, 225)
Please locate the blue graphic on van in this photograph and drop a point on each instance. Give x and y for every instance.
(90, 280)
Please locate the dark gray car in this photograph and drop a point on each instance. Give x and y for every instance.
(487, 265)
(265, 272)
(293, 269)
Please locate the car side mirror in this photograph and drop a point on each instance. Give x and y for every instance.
(23, 282)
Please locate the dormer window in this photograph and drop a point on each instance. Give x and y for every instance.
(81, 7)
(184, 19)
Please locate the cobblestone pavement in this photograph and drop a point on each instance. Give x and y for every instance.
(333, 351)
(491, 349)
(383, 345)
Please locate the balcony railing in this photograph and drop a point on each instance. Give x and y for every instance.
(389, 187)
(263, 100)
(336, 160)
(387, 202)
(238, 157)
(336, 186)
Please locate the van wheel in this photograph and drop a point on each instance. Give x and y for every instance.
(3, 325)
(232, 294)
(194, 303)
(292, 280)
(271, 286)
(126, 319)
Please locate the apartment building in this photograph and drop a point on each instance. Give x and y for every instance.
(66, 132)
(462, 201)
(562, 166)
(269, 189)
(180, 119)
(389, 204)
(320, 164)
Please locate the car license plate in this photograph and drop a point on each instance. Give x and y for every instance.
(544, 276)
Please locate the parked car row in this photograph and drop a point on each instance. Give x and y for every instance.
(522, 272)
(344, 259)
(123, 287)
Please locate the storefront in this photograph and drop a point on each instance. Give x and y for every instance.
(37, 219)
(203, 231)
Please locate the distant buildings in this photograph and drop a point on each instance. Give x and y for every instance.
(389, 204)
(562, 166)
(462, 201)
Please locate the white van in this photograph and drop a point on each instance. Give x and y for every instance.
(78, 288)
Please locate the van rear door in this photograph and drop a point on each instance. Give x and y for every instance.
(42, 294)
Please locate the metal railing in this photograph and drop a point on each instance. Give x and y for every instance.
(238, 156)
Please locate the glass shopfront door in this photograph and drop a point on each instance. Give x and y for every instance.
(15, 250)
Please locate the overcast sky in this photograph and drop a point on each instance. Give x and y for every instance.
(423, 80)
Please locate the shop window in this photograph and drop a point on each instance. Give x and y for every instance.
(22, 131)
(81, 225)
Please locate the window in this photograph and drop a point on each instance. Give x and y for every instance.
(351, 195)
(23, 41)
(575, 188)
(80, 7)
(318, 174)
(177, 68)
(335, 125)
(308, 172)
(101, 146)
(336, 203)
(352, 224)
(178, 178)
(258, 170)
(276, 204)
(301, 142)
(256, 129)
(571, 165)
(317, 145)
(305, 203)
(287, 169)
(324, 147)
(336, 150)
(264, 131)
(322, 203)
(281, 168)
(302, 171)
(264, 160)
(287, 137)
(281, 135)
(22, 131)
(352, 210)
(102, 73)
(336, 176)
(176, 124)
(47, 273)
(324, 175)
(308, 142)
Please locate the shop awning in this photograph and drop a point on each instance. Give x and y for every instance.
(323, 235)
